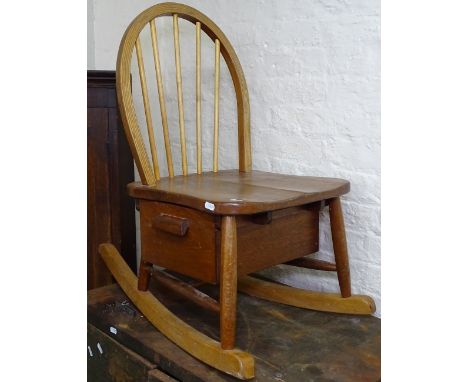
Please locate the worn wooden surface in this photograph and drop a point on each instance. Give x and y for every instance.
(111, 216)
(289, 344)
(233, 192)
(108, 360)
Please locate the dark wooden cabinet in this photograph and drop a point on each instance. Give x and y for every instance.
(111, 215)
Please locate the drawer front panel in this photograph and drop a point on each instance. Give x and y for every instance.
(179, 239)
(292, 233)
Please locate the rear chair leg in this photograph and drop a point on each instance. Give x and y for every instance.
(144, 276)
(228, 282)
(340, 247)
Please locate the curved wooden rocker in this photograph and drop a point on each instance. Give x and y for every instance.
(215, 226)
(302, 298)
(235, 362)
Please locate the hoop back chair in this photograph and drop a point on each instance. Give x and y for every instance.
(218, 226)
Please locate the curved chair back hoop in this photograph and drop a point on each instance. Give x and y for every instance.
(149, 171)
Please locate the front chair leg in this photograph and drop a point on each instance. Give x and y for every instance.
(340, 247)
(144, 275)
(228, 282)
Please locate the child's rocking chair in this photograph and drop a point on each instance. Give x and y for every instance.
(219, 226)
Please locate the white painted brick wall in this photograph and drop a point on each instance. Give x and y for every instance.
(313, 72)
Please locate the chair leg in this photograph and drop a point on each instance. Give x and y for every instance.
(233, 361)
(144, 276)
(340, 247)
(228, 282)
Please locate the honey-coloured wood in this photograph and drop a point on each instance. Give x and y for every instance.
(146, 104)
(233, 361)
(162, 100)
(340, 247)
(301, 298)
(198, 97)
(124, 91)
(216, 108)
(228, 282)
(180, 98)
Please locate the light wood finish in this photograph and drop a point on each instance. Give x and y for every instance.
(228, 282)
(149, 119)
(309, 263)
(162, 101)
(198, 97)
(180, 98)
(340, 247)
(124, 92)
(233, 192)
(301, 298)
(216, 109)
(186, 290)
(234, 361)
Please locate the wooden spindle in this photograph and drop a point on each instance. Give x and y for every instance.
(198, 98)
(216, 108)
(305, 262)
(179, 94)
(162, 102)
(186, 290)
(149, 120)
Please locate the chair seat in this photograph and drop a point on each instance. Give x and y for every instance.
(232, 192)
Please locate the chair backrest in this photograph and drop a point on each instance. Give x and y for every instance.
(149, 170)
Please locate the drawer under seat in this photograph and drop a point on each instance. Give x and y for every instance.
(187, 241)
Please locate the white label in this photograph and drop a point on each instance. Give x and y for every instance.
(90, 351)
(209, 206)
(113, 330)
(99, 347)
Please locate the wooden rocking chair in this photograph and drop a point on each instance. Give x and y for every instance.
(219, 226)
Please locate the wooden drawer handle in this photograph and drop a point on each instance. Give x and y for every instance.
(171, 224)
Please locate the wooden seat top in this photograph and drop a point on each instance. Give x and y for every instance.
(232, 192)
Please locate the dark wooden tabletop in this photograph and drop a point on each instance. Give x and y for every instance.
(289, 344)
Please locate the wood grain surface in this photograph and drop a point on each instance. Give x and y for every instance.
(235, 192)
(289, 344)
